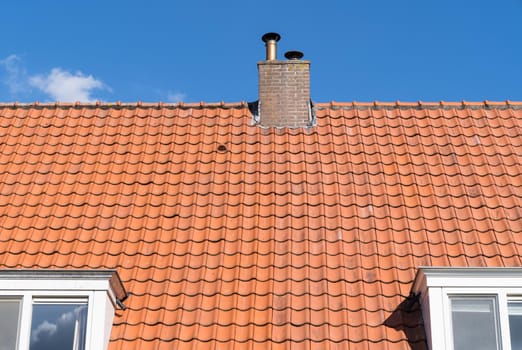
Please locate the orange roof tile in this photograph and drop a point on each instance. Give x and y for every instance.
(230, 236)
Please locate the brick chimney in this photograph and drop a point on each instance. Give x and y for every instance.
(284, 88)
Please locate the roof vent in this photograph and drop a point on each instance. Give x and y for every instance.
(294, 55)
(271, 40)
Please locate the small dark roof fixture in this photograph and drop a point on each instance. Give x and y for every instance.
(271, 36)
(294, 55)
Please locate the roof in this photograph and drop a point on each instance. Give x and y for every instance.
(227, 235)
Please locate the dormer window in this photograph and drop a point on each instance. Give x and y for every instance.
(471, 308)
(59, 310)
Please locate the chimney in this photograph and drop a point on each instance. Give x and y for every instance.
(284, 88)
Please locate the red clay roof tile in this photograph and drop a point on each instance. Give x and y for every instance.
(282, 238)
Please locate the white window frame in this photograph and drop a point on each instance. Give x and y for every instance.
(437, 285)
(101, 289)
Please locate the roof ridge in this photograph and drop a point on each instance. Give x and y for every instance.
(242, 104)
(421, 104)
(119, 104)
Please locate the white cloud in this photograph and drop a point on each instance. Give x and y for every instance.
(16, 78)
(175, 96)
(44, 327)
(61, 85)
(58, 84)
(72, 315)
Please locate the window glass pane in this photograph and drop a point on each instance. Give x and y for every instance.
(515, 324)
(9, 321)
(58, 326)
(474, 322)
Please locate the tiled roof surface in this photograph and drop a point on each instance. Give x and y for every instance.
(231, 236)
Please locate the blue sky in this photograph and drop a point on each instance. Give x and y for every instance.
(202, 50)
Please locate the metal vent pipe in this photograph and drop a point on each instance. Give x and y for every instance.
(271, 40)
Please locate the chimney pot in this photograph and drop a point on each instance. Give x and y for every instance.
(294, 55)
(271, 40)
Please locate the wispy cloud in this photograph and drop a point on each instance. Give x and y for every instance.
(176, 97)
(58, 85)
(61, 85)
(44, 328)
(16, 75)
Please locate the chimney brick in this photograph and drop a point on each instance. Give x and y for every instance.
(284, 93)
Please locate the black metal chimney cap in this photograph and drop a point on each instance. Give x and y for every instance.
(294, 55)
(271, 36)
